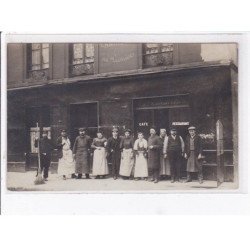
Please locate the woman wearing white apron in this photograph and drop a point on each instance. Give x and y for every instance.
(127, 155)
(66, 164)
(100, 165)
(141, 163)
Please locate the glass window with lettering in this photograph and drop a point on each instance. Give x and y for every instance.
(82, 59)
(38, 61)
(157, 54)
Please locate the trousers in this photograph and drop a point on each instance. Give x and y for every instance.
(175, 164)
(45, 164)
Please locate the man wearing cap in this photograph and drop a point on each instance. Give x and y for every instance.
(114, 152)
(81, 150)
(193, 154)
(173, 149)
(45, 149)
(154, 147)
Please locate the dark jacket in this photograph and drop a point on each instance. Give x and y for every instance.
(197, 145)
(45, 145)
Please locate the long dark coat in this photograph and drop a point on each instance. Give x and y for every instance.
(81, 150)
(154, 153)
(197, 145)
(114, 152)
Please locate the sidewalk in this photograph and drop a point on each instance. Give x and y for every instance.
(25, 182)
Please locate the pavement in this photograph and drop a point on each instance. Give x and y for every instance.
(17, 181)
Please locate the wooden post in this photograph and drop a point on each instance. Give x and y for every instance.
(220, 153)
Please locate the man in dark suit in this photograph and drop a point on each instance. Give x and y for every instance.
(193, 154)
(45, 149)
(114, 152)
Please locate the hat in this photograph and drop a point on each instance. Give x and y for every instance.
(153, 127)
(191, 128)
(115, 129)
(82, 129)
(127, 130)
(173, 129)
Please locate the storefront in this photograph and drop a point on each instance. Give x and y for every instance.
(178, 97)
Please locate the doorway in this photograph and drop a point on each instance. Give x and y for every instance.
(83, 115)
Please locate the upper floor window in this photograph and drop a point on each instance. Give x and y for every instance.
(38, 61)
(157, 54)
(82, 59)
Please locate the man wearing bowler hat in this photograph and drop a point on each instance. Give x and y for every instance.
(173, 149)
(193, 154)
(81, 150)
(154, 148)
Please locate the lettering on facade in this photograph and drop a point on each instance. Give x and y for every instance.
(118, 59)
(143, 124)
(180, 123)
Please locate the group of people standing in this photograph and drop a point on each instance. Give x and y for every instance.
(157, 157)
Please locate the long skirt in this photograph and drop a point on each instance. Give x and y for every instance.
(127, 162)
(100, 165)
(141, 166)
(193, 164)
(165, 166)
(82, 162)
(66, 164)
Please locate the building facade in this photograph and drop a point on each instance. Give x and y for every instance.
(55, 86)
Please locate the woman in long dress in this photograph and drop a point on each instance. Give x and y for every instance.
(66, 164)
(141, 163)
(127, 155)
(100, 165)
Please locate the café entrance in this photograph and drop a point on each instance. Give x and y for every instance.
(162, 112)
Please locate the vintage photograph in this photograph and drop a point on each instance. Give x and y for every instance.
(122, 117)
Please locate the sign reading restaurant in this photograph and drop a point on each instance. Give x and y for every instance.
(180, 123)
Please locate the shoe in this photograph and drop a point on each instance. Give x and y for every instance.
(114, 177)
(187, 180)
(179, 180)
(64, 177)
(152, 179)
(45, 179)
(97, 177)
(172, 180)
(87, 176)
(145, 179)
(79, 176)
(200, 181)
(73, 176)
(136, 179)
(155, 181)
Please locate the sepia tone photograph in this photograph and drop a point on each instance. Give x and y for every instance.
(124, 117)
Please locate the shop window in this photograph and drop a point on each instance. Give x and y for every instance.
(38, 61)
(82, 59)
(157, 54)
(37, 120)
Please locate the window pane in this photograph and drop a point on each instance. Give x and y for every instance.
(166, 47)
(78, 51)
(45, 55)
(35, 59)
(36, 46)
(151, 48)
(45, 45)
(89, 50)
